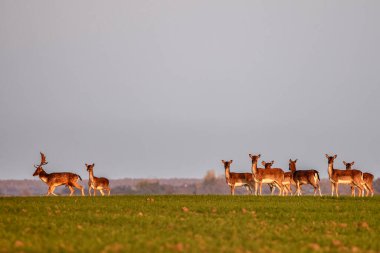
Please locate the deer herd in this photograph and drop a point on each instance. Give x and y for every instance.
(70, 180)
(283, 181)
(252, 181)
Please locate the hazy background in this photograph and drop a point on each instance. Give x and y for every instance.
(169, 88)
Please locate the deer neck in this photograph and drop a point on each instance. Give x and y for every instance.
(227, 173)
(331, 169)
(254, 167)
(91, 175)
(293, 168)
(43, 175)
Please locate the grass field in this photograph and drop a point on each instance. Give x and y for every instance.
(189, 224)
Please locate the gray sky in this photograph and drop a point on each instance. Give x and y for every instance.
(169, 88)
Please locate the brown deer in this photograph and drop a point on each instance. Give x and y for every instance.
(351, 177)
(97, 183)
(237, 179)
(266, 176)
(56, 179)
(301, 177)
(287, 179)
(367, 177)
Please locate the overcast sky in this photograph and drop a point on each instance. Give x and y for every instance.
(169, 88)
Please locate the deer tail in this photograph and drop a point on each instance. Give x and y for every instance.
(317, 173)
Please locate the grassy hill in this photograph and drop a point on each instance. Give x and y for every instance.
(189, 224)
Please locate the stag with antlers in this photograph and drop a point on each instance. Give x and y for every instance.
(56, 179)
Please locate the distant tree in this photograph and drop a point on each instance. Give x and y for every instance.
(210, 176)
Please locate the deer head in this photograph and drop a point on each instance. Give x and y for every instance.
(348, 165)
(267, 165)
(331, 159)
(90, 167)
(227, 164)
(39, 167)
(254, 158)
(292, 164)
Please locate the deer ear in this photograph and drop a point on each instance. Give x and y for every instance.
(335, 156)
(93, 164)
(327, 156)
(231, 161)
(86, 164)
(344, 162)
(353, 163)
(250, 155)
(259, 156)
(295, 160)
(223, 161)
(272, 162)
(263, 163)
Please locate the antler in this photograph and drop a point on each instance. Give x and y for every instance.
(43, 160)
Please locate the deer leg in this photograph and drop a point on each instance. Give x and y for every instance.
(336, 190)
(256, 188)
(71, 190)
(332, 189)
(271, 187)
(101, 191)
(281, 187)
(361, 190)
(250, 189)
(284, 191)
(298, 191)
(247, 188)
(289, 190)
(370, 188)
(89, 191)
(51, 190)
(109, 191)
(81, 189)
(352, 190)
(261, 188)
(281, 190)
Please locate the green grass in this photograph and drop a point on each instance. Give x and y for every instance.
(189, 224)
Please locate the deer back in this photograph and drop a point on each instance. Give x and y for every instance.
(273, 174)
(346, 175)
(305, 176)
(368, 177)
(62, 178)
(240, 177)
(288, 177)
(101, 181)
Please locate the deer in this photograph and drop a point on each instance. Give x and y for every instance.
(301, 177)
(267, 176)
(367, 177)
(57, 179)
(351, 177)
(287, 179)
(97, 183)
(234, 179)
